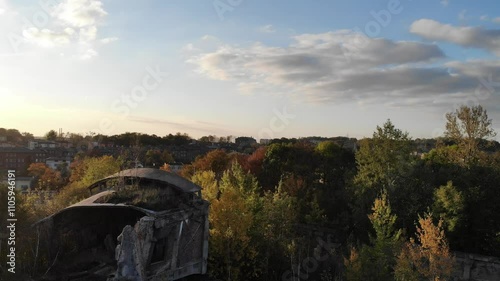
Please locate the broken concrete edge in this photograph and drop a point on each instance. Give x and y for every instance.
(170, 178)
(89, 203)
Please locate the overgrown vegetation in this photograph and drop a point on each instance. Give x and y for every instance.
(324, 212)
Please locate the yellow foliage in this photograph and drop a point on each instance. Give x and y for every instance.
(430, 258)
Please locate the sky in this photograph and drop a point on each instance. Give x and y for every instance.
(257, 68)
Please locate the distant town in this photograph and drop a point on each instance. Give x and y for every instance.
(58, 149)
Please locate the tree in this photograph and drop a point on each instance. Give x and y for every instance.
(98, 168)
(376, 261)
(334, 163)
(46, 178)
(467, 126)
(208, 183)
(51, 135)
(216, 160)
(209, 138)
(382, 159)
(449, 204)
(286, 159)
(383, 222)
(252, 163)
(430, 258)
(384, 162)
(232, 218)
(152, 158)
(166, 167)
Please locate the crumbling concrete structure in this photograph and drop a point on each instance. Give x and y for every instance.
(140, 224)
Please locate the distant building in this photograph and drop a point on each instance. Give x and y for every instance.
(15, 158)
(175, 167)
(40, 143)
(55, 162)
(39, 155)
(187, 153)
(6, 144)
(23, 183)
(265, 141)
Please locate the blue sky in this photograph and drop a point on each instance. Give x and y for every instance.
(240, 67)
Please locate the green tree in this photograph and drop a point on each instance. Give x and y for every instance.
(376, 261)
(208, 183)
(51, 135)
(98, 168)
(282, 160)
(156, 158)
(467, 126)
(384, 158)
(384, 162)
(232, 221)
(449, 204)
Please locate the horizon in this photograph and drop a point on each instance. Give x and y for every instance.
(246, 68)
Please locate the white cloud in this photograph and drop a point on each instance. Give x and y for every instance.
(267, 29)
(445, 2)
(80, 13)
(208, 37)
(331, 67)
(88, 54)
(88, 34)
(76, 25)
(109, 40)
(472, 37)
(496, 20)
(46, 38)
(2, 11)
(484, 18)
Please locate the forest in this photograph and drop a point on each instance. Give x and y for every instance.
(301, 211)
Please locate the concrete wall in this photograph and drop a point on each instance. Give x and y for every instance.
(472, 267)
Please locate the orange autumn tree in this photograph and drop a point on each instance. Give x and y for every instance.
(429, 257)
(46, 178)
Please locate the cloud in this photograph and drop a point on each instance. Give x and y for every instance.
(267, 29)
(2, 11)
(183, 125)
(496, 20)
(338, 66)
(88, 54)
(88, 34)
(445, 2)
(109, 40)
(76, 24)
(471, 37)
(80, 13)
(47, 38)
(484, 18)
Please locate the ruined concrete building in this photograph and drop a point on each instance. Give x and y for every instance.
(140, 224)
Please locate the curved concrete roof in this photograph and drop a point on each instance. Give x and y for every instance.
(179, 182)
